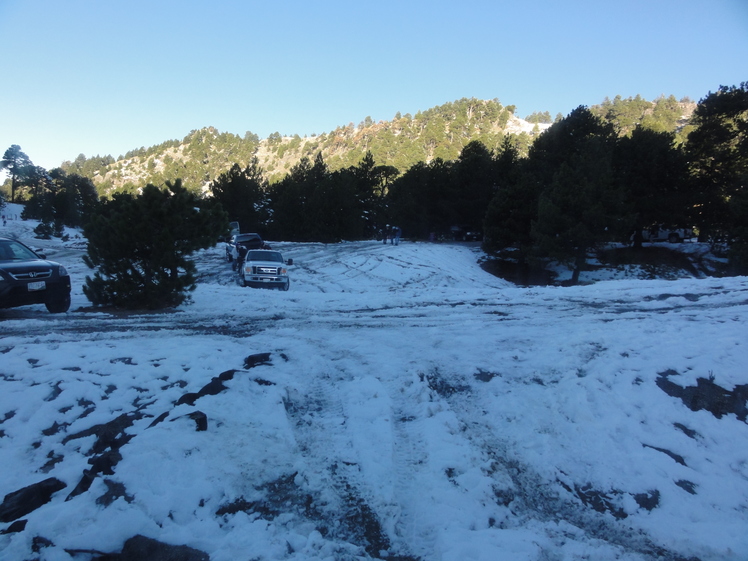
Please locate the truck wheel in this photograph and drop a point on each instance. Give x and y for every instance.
(673, 238)
(286, 286)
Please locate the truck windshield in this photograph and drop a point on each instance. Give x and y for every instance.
(273, 256)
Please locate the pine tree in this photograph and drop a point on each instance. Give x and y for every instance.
(581, 208)
(140, 246)
(717, 151)
(17, 164)
(652, 173)
(243, 195)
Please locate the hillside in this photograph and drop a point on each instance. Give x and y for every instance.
(439, 132)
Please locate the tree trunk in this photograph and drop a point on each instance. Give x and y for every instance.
(579, 264)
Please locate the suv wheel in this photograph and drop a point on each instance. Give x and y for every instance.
(58, 305)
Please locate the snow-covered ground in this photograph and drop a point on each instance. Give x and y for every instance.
(412, 406)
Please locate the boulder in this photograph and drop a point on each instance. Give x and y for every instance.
(22, 502)
(141, 548)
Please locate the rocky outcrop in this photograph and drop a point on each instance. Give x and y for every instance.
(141, 548)
(22, 502)
(706, 395)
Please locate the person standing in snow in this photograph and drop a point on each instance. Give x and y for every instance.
(396, 232)
(242, 250)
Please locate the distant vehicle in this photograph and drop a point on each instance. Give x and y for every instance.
(239, 244)
(264, 268)
(234, 229)
(28, 278)
(466, 234)
(661, 233)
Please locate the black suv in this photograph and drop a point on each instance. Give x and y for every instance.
(239, 244)
(27, 278)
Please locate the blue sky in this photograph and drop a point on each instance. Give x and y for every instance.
(95, 77)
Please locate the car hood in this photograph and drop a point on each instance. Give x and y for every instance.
(266, 264)
(26, 265)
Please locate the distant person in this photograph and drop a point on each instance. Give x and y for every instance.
(396, 233)
(387, 234)
(242, 250)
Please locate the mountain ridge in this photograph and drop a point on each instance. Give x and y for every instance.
(439, 132)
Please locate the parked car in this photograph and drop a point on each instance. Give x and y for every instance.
(466, 233)
(241, 243)
(661, 233)
(265, 268)
(28, 278)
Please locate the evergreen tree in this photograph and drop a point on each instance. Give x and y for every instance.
(140, 246)
(473, 185)
(63, 200)
(290, 200)
(17, 164)
(511, 210)
(511, 213)
(664, 115)
(77, 199)
(581, 208)
(371, 184)
(579, 205)
(243, 195)
(738, 251)
(652, 173)
(717, 151)
(404, 202)
(560, 201)
(335, 209)
(419, 200)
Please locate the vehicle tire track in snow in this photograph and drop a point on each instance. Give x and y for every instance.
(530, 496)
(319, 420)
(410, 456)
(338, 418)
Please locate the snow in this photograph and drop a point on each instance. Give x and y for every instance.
(406, 386)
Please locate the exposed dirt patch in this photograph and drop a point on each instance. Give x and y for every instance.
(648, 262)
(521, 274)
(653, 257)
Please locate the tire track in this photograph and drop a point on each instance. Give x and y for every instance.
(410, 456)
(530, 496)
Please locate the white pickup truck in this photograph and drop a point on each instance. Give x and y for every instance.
(264, 268)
